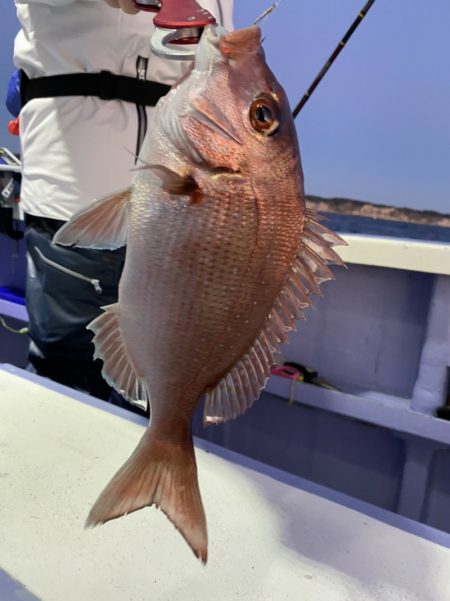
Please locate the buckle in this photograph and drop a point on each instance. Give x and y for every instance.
(108, 88)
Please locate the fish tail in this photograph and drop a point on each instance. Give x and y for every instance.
(161, 473)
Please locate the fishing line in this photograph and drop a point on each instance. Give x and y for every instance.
(267, 12)
(362, 13)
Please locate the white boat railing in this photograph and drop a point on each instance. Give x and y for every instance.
(396, 253)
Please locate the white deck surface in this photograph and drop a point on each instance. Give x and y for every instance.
(269, 541)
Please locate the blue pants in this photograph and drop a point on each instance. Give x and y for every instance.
(66, 288)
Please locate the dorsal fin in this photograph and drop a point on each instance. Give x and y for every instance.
(240, 387)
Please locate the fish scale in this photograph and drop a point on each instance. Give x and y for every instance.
(207, 275)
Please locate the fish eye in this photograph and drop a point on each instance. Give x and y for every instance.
(264, 114)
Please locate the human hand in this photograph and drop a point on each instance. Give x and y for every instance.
(128, 6)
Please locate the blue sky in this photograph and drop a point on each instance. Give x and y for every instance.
(378, 126)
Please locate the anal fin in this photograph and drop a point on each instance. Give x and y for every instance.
(118, 369)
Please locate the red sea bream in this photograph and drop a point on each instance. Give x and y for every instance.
(222, 258)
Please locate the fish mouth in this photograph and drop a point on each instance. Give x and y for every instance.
(233, 44)
(219, 128)
(240, 42)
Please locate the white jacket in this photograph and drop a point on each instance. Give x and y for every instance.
(76, 149)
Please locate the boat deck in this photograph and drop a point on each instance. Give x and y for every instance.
(272, 535)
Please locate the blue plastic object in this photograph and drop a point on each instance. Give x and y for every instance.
(13, 295)
(13, 101)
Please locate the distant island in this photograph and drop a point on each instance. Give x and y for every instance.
(346, 206)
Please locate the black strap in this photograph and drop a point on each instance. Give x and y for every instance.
(104, 85)
(141, 73)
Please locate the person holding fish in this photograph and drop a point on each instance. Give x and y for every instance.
(89, 85)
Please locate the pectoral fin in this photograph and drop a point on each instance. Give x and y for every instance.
(176, 184)
(104, 225)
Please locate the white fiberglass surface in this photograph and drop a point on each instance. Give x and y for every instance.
(267, 539)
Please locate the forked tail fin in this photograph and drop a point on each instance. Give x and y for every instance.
(161, 473)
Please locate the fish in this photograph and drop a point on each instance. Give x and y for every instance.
(222, 259)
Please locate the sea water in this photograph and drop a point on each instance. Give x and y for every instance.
(355, 224)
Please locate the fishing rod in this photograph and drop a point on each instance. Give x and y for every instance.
(362, 13)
